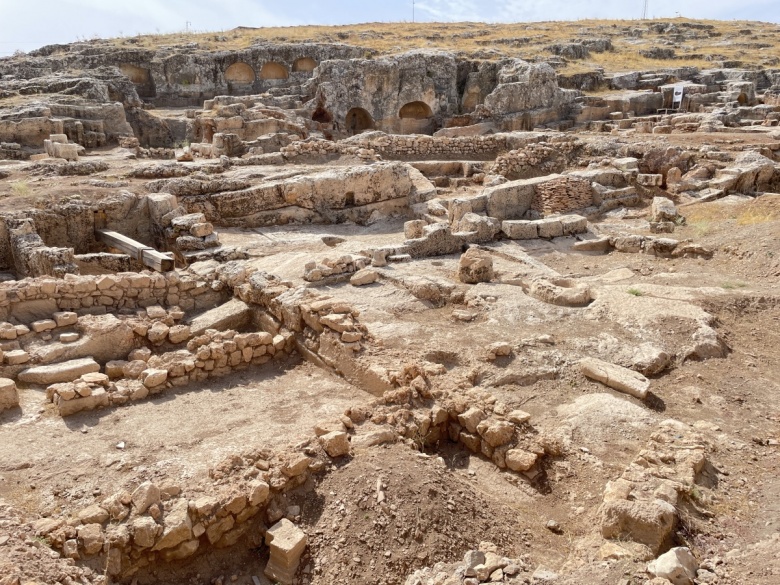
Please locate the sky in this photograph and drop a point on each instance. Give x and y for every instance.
(29, 24)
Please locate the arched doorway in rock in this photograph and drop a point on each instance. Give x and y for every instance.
(358, 120)
(416, 118)
(240, 78)
(272, 71)
(304, 64)
(240, 73)
(415, 111)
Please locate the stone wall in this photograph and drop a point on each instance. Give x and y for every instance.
(32, 257)
(213, 354)
(71, 224)
(562, 194)
(538, 159)
(28, 299)
(416, 147)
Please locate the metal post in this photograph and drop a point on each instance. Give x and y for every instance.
(413, 10)
(644, 10)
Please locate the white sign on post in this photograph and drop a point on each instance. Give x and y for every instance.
(677, 96)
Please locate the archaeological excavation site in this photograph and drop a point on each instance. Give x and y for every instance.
(393, 305)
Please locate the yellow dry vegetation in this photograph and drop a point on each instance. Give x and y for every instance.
(760, 210)
(748, 42)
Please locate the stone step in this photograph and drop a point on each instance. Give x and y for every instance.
(234, 314)
(60, 372)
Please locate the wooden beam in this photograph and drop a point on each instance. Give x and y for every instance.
(147, 255)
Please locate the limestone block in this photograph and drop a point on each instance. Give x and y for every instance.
(234, 314)
(7, 332)
(471, 418)
(141, 354)
(626, 164)
(9, 395)
(161, 204)
(184, 223)
(496, 433)
(44, 325)
(335, 444)
(296, 465)
(364, 277)
(133, 369)
(617, 377)
(475, 266)
(69, 337)
(650, 522)
(152, 377)
(93, 514)
(65, 318)
(520, 230)
(258, 493)
(61, 372)
(574, 224)
(91, 538)
(549, 227)
(158, 332)
(519, 417)
(145, 531)
(16, 357)
(156, 312)
(201, 230)
(663, 209)
(414, 229)
(678, 566)
(520, 459)
(287, 543)
(178, 333)
(144, 496)
(98, 399)
(649, 180)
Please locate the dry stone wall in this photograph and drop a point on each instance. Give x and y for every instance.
(105, 293)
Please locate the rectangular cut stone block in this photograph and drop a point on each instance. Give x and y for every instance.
(9, 396)
(234, 314)
(287, 543)
(44, 325)
(617, 377)
(62, 372)
(549, 228)
(65, 318)
(574, 224)
(649, 180)
(17, 357)
(520, 230)
(98, 399)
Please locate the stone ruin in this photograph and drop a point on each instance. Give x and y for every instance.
(448, 182)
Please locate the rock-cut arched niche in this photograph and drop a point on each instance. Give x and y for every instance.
(141, 78)
(358, 120)
(415, 111)
(272, 70)
(240, 73)
(305, 64)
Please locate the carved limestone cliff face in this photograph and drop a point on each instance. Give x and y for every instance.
(416, 92)
(530, 90)
(403, 94)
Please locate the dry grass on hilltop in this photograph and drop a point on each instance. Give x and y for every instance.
(752, 43)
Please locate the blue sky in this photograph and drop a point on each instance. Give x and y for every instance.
(28, 24)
